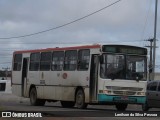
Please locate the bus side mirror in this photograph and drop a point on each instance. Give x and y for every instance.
(101, 59)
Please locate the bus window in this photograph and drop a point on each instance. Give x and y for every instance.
(113, 66)
(34, 61)
(45, 63)
(135, 67)
(83, 59)
(57, 61)
(70, 60)
(17, 62)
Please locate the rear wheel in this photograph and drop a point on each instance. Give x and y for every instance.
(67, 104)
(33, 98)
(121, 106)
(80, 99)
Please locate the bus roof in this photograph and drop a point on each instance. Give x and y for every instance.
(58, 49)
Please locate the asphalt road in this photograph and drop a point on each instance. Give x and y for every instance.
(12, 103)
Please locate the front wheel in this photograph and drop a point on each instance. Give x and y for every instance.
(121, 106)
(145, 107)
(80, 99)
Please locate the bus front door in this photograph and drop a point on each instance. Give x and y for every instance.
(94, 78)
(24, 76)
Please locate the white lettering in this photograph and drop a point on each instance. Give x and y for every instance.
(138, 115)
(34, 115)
(121, 114)
(150, 115)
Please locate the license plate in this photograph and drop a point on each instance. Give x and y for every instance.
(124, 98)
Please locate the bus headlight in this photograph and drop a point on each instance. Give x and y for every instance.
(141, 93)
(107, 91)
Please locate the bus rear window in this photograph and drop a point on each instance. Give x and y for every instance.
(17, 62)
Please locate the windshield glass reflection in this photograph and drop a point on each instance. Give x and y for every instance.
(123, 67)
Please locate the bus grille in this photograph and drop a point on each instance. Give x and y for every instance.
(116, 88)
(124, 92)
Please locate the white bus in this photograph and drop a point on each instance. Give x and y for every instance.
(82, 75)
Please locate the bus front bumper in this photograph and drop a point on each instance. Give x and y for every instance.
(121, 99)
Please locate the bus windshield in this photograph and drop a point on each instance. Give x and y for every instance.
(129, 67)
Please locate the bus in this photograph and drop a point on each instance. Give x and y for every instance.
(82, 75)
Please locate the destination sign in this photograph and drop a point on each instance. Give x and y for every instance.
(124, 49)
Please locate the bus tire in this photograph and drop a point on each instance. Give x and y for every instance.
(145, 107)
(33, 98)
(121, 106)
(80, 99)
(67, 104)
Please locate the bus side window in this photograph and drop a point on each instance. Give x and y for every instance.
(57, 60)
(83, 59)
(34, 61)
(17, 62)
(45, 63)
(70, 62)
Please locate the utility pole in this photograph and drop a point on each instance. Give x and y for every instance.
(154, 42)
(151, 59)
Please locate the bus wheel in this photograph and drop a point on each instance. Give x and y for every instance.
(121, 106)
(67, 104)
(80, 99)
(145, 107)
(33, 98)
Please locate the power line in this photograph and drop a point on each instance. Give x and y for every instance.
(60, 26)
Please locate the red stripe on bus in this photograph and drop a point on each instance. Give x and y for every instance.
(58, 49)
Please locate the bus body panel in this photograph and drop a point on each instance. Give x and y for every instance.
(114, 90)
(16, 76)
(87, 95)
(40, 92)
(16, 83)
(45, 82)
(16, 89)
(56, 83)
(34, 79)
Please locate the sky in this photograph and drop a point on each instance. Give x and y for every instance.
(129, 22)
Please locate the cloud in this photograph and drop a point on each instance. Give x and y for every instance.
(122, 22)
